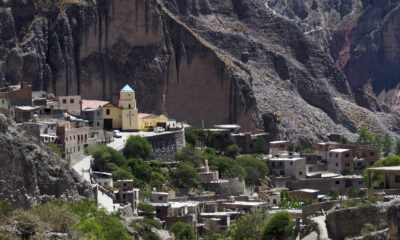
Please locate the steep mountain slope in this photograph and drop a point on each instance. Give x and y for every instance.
(30, 172)
(218, 61)
(361, 36)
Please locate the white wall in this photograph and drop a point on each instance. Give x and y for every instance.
(104, 201)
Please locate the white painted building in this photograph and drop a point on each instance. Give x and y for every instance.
(72, 104)
(292, 167)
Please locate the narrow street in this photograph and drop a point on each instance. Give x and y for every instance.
(82, 167)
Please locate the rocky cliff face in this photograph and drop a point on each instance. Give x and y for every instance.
(31, 172)
(219, 61)
(361, 36)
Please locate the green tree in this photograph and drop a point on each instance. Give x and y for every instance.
(104, 155)
(250, 226)
(344, 140)
(378, 178)
(260, 145)
(232, 151)
(288, 201)
(146, 209)
(227, 167)
(364, 135)
(333, 194)
(354, 193)
(141, 170)
(188, 154)
(255, 168)
(191, 135)
(186, 176)
(397, 147)
(278, 226)
(387, 145)
(182, 231)
(377, 143)
(137, 147)
(346, 171)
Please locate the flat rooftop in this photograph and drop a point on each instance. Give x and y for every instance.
(277, 142)
(339, 150)
(393, 169)
(286, 159)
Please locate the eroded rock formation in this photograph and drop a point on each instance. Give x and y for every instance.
(216, 61)
(31, 172)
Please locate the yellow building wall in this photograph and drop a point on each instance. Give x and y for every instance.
(115, 115)
(130, 120)
(145, 123)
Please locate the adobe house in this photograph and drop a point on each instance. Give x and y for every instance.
(340, 158)
(18, 95)
(279, 145)
(71, 104)
(392, 176)
(294, 167)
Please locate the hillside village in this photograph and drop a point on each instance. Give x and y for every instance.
(150, 166)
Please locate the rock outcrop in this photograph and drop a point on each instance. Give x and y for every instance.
(233, 61)
(361, 36)
(31, 172)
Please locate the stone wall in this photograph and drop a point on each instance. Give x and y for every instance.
(225, 188)
(313, 208)
(350, 221)
(165, 145)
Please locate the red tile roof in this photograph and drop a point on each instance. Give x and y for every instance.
(92, 104)
(143, 115)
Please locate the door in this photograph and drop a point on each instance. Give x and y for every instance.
(108, 124)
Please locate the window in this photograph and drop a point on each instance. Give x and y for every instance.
(64, 101)
(130, 107)
(347, 155)
(337, 164)
(71, 101)
(98, 124)
(159, 198)
(337, 155)
(107, 111)
(397, 178)
(310, 169)
(337, 182)
(300, 173)
(347, 164)
(291, 163)
(282, 173)
(360, 182)
(372, 154)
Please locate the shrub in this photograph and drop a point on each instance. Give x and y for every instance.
(227, 167)
(5, 208)
(152, 222)
(55, 148)
(146, 209)
(27, 223)
(186, 176)
(188, 154)
(137, 147)
(354, 193)
(260, 145)
(182, 231)
(250, 226)
(278, 226)
(346, 171)
(51, 213)
(232, 151)
(333, 194)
